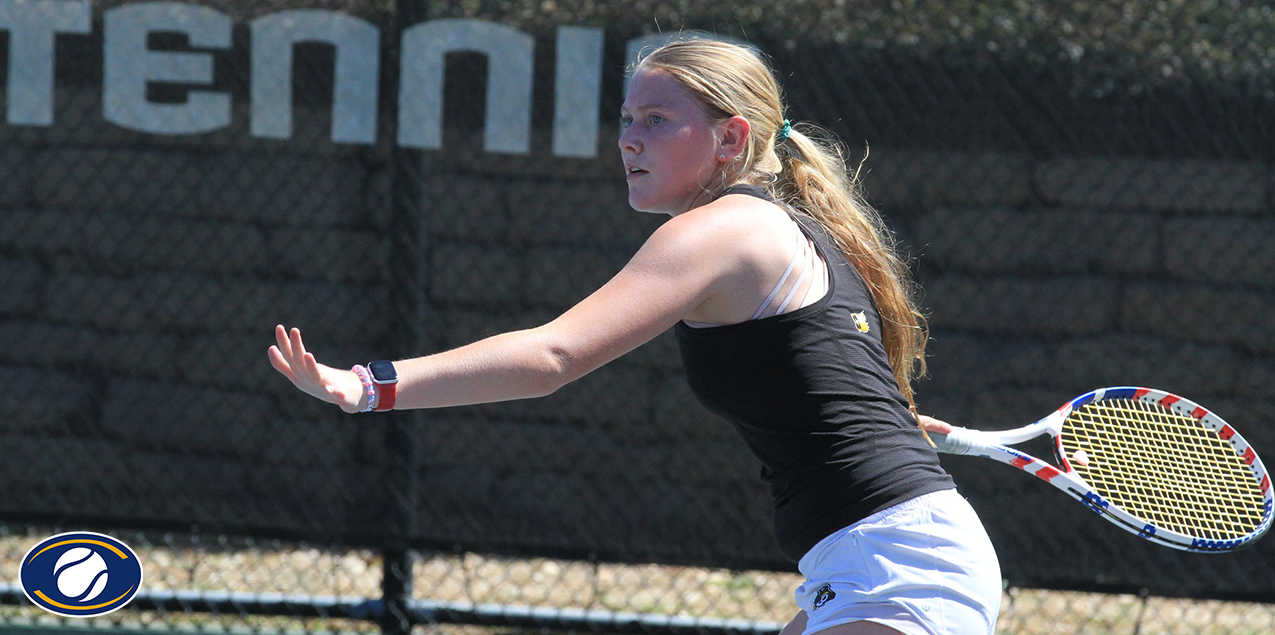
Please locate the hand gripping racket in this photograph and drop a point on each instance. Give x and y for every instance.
(1153, 463)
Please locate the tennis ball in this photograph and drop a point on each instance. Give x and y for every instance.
(80, 574)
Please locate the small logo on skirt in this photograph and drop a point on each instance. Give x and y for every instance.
(822, 596)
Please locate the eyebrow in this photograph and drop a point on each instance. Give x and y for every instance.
(643, 107)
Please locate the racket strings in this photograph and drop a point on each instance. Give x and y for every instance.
(1164, 467)
(1173, 497)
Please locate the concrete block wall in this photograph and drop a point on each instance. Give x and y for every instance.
(1101, 271)
(143, 277)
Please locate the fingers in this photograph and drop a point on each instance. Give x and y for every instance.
(288, 356)
(288, 343)
(311, 365)
(298, 348)
(930, 424)
(281, 337)
(278, 362)
(305, 361)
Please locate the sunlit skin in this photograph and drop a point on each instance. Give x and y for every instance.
(673, 153)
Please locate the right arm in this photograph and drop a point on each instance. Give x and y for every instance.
(688, 260)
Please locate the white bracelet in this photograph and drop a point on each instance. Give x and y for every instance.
(368, 386)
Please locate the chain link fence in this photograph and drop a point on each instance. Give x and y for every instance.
(218, 583)
(1086, 192)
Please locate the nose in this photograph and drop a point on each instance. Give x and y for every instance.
(629, 141)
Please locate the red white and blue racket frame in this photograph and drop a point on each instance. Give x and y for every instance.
(995, 445)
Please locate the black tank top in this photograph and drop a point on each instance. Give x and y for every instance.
(812, 393)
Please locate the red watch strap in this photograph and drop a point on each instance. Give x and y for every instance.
(385, 394)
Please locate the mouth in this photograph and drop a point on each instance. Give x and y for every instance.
(634, 172)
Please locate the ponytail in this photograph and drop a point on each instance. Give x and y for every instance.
(814, 181)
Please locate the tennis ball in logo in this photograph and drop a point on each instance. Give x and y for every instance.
(80, 574)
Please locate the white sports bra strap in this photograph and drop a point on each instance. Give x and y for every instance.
(805, 273)
(774, 292)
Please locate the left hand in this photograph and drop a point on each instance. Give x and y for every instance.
(289, 357)
(930, 424)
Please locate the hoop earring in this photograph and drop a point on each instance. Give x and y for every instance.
(715, 185)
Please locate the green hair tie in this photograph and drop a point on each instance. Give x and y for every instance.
(784, 132)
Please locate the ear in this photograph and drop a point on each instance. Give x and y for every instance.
(734, 136)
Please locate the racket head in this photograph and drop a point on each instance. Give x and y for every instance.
(1171, 470)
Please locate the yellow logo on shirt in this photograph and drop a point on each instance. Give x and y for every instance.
(860, 321)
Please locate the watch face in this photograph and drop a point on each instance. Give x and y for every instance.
(383, 372)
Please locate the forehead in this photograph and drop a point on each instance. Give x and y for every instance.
(654, 87)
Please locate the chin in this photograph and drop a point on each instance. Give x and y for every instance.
(640, 205)
(646, 209)
(648, 206)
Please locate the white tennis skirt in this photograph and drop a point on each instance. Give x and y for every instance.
(923, 567)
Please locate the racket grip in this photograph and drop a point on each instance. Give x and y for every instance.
(959, 441)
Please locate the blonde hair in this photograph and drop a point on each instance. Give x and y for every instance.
(807, 171)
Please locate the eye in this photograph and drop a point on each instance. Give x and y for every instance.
(625, 121)
(656, 119)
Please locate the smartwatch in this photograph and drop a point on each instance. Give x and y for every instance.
(386, 380)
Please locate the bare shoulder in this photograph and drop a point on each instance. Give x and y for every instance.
(733, 250)
(739, 226)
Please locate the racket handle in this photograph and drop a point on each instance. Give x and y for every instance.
(959, 441)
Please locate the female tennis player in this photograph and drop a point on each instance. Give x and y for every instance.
(796, 323)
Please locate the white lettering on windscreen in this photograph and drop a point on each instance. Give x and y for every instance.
(129, 65)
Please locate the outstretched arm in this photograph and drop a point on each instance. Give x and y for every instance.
(685, 262)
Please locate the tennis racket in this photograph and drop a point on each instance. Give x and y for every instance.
(1153, 463)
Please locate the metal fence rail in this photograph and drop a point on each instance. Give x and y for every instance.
(221, 584)
(427, 612)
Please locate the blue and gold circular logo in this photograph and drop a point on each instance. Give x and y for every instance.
(80, 574)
